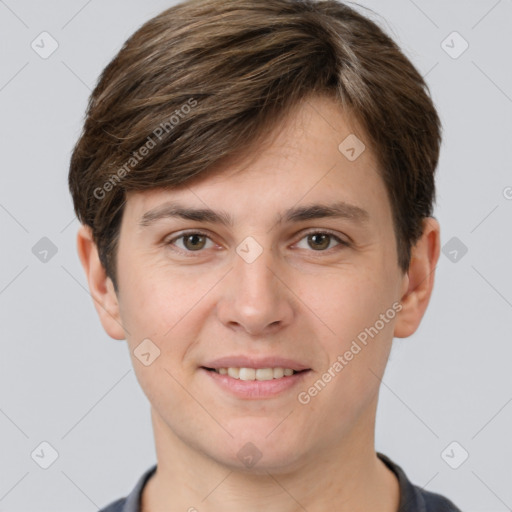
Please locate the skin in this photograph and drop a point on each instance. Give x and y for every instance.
(302, 298)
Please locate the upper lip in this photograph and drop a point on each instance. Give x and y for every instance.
(255, 362)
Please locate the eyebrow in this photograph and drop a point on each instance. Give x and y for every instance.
(340, 209)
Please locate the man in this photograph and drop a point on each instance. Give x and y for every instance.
(255, 181)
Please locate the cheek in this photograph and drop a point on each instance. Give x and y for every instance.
(346, 302)
(166, 307)
(154, 309)
(358, 309)
(153, 299)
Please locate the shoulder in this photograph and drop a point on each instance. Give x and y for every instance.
(115, 506)
(132, 502)
(435, 502)
(414, 498)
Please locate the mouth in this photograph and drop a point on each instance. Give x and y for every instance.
(254, 383)
(259, 374)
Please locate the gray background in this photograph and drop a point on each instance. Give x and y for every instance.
(65, 382)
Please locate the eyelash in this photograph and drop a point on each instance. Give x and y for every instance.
(171, 241)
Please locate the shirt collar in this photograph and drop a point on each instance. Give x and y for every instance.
(133, 500)
(409, 496)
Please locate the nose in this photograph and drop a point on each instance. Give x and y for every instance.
(254, 296)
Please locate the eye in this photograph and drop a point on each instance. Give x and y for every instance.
(196, 241)
(320, 241)
(193, 241)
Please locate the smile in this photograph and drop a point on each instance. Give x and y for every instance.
(255, 373)
(255, 383)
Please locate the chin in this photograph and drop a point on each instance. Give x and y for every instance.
(261, 450)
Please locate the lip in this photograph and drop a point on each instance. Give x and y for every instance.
(254, 389)
(255, 362)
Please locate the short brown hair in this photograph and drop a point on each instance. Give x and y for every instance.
(207, 79)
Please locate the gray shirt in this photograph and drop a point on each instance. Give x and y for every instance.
(412, 498)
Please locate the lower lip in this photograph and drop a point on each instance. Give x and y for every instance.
(255, 389)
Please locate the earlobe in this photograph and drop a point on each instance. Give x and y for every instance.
(419, 281)
(100, 285)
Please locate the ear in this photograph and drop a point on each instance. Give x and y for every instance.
(419, 281)
(100, 286)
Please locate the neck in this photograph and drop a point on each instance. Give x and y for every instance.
(347, 477)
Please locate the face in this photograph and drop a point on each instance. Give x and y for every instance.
(283, 285)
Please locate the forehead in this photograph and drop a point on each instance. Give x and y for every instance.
(316, 154)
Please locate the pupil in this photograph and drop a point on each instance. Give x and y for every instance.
(194, 237)
(323, 236)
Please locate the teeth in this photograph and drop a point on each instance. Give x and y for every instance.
(256, 374)
(234, 372)
(264, 374)
(278, 373)
(247, 374)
